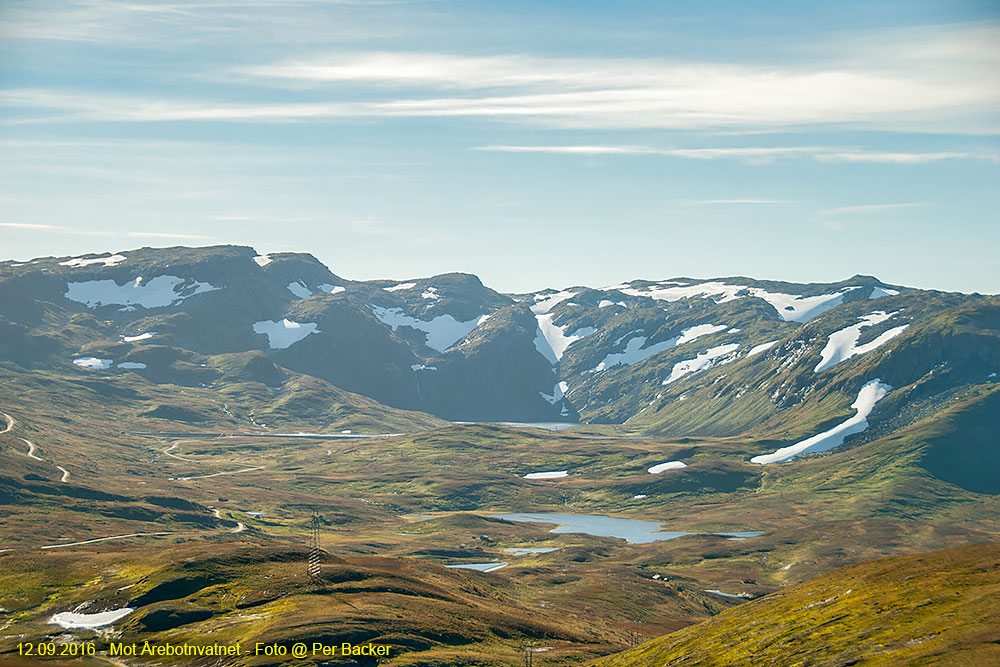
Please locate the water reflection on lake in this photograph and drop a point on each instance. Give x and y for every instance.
(633, 531)
(548, 426)
(481, 567)
(524, 551)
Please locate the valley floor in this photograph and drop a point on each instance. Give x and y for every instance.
(206, 538)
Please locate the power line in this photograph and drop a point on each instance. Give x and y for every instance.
(312, 563)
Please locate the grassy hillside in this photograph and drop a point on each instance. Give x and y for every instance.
(940, 608)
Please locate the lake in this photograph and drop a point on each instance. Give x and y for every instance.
(633, 531)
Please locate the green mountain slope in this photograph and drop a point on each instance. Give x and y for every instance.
(940, 608)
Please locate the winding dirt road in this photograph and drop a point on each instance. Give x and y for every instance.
(216, 474)
(174, 456)
(101, 539)
(32, 448)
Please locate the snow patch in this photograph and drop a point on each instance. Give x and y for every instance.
(110, 260)
(639, 496)
(142, 336)
(677, 291)
(400, 286)
(669, 465)
(843, 344)
(702, 362)
(697, 331)
(634, 352)
(285, 333)
(870, 394)
(552, 474)
(551, 340)
(795, 308)
(763, 347)
(159, 292)
(421, 367)
(442, 332)
(93, 363)
(131, 365)
(262, 260)
(300, 290)
(605, 303)
(430, 293)
(558, 392)
(71, 620)
(545, 303)
(879, 292)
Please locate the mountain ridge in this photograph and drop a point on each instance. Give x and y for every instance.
(445, 344)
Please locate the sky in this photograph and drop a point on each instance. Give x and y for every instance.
(535, 144)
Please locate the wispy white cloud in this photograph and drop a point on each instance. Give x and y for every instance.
(31, 225)
(175, 25)
(59, 229)
(739, 201)
(907, 158)
(953, 94)
(574, 150)
(758, 154)
(76, 231)
(866, 208)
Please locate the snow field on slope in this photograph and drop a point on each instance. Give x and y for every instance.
(678, 291)
(634, 351)
(790, 307)
(879, 292)
(870, 394)
(551, 340)
(558, 392)
(299, 289)
(702, 362)
(545, 303)
(663, 467)
(763, 347)
(442, 332)
(93, 363)
(70, 620)
(843, 344)
(552, 474)
(285, 333)
(159, 292)
(110, 260)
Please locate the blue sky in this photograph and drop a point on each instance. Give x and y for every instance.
(536, 144)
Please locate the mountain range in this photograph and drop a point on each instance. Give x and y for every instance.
(683, 357)
(235, 405)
